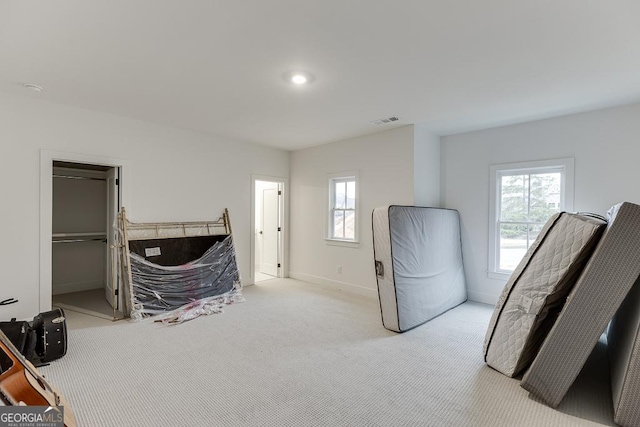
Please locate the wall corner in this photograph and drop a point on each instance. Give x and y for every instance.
(426, 167)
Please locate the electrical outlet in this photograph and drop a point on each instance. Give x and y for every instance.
(339, 269)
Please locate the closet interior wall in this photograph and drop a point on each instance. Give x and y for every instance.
(79, 228)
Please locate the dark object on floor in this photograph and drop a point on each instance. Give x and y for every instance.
(40, 341)
(50, 328)
(22, 336)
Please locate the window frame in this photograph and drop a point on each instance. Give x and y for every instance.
(332, 179)
(565, 166)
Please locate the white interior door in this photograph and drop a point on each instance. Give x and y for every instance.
(269, 232)
(112, 211)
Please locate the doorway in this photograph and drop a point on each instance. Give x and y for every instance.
(268, 220)
(80, 200)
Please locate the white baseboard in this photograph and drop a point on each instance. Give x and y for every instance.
(66, 288)
(472, 295)
(483, 297)
(334, 284)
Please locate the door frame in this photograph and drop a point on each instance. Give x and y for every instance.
(284, 221)
(47, 158)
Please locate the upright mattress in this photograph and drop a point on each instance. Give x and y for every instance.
(537, 289)
(418, 258)
(623, 339)
(604, 283)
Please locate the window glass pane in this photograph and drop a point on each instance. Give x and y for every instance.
(338, 222)
(513, 245)
(514, 197)
(534, 230)
(340, 195)
(350, 225)
(351, 195)
(545, 196)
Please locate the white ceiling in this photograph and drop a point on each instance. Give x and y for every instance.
(217, 66)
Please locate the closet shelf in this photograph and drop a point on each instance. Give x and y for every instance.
(89, 234)
(79, 237)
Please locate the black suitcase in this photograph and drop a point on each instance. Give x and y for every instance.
(51, 331)
(22, 336)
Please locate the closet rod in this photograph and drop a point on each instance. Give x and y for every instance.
(79, 240)
(78, 177)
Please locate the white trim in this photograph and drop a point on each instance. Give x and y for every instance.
(46, 207)
(335, 285)
(498, 276)
(331, 178)
(566, 200)
(483, 297)
(343, 243)
(69, 307)
(284, 208)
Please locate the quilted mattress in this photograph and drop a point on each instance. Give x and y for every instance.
(598, 293)
(537, 289)
(418, 259)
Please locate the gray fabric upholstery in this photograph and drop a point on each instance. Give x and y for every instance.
(537, 289)
(421, 256)
(624, 360)
(599, 291)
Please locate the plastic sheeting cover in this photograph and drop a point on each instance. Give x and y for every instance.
(160, 289)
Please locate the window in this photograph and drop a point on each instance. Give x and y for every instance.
(343, 195)
(523, 197)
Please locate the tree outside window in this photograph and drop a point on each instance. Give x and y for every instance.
(527, 201)
(342, 215)
(523, 196)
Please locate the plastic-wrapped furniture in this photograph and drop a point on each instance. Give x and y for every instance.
(178, 270)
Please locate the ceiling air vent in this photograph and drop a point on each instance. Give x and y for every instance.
(385, 120)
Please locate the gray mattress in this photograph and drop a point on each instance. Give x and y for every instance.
(623, 340)
(537, 289)
(418, 259)
(604, 283)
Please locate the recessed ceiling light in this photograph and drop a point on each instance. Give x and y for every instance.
(32, 87)
(298, 78)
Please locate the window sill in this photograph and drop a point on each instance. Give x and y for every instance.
(343, 243)
(498, 276)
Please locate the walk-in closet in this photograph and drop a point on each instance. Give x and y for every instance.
(85, 205)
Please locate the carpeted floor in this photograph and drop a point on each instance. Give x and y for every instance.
(295, 354)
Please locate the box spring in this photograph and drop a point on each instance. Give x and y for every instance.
(598, 293)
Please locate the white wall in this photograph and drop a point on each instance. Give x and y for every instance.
(426, 168)
(176, 175)
(606, 148)
(385, 163)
